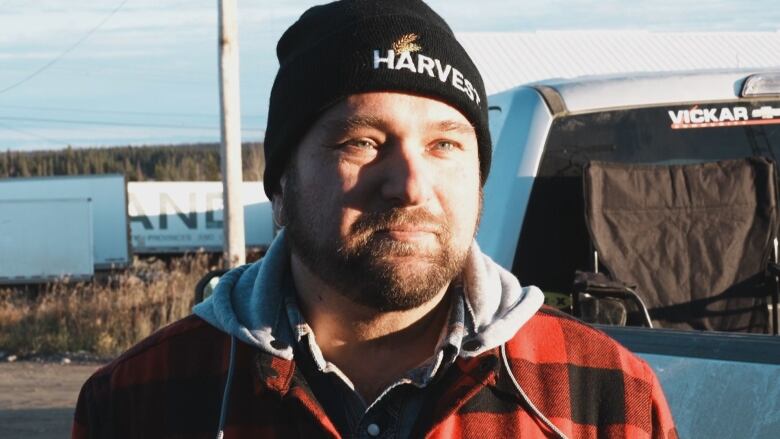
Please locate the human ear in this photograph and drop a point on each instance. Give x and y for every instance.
(277, 203)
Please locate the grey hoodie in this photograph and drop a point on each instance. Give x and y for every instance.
(249, 303)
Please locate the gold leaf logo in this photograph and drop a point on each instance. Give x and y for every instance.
(407, 44)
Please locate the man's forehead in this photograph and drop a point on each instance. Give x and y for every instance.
(379, 110)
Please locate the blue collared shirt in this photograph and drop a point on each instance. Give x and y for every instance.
(395, 410)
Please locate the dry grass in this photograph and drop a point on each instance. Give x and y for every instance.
(104, 316)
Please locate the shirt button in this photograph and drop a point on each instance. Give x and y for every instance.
(472, 345)
(373, 430)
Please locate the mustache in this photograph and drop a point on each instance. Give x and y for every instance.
(398, 217)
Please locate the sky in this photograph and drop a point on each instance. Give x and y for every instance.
(118, 72)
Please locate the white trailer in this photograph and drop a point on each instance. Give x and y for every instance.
(109, 209)
(180, 217)
(45, 239)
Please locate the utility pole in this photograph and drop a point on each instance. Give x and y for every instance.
(230, 122)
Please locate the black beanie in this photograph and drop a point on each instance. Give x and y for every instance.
(357, 46)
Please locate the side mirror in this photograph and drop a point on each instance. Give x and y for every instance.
(207, 283)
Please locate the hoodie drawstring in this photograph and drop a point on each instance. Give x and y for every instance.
(226, 393)
(525, 397)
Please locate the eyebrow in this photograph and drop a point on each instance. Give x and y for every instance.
(368, 121)
(451, 125)
(355, 122)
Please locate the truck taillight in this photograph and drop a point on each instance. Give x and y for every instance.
(762, 84)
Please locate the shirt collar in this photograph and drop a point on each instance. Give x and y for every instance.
(447, 349)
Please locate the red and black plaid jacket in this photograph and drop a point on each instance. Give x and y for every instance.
(171, 386)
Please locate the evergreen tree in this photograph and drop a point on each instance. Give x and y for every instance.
(188, 162)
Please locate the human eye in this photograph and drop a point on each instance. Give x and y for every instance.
(362, 148)
(444, 146)
(360, 144)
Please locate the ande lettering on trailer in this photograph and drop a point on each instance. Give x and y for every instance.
(170, 217)
(710, 117)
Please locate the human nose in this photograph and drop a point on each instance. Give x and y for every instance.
(408, 180)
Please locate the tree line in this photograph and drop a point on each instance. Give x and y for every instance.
(185, 162)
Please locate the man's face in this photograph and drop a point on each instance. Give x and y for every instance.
(382, 198)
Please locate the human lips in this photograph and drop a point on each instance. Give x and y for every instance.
(400, 226)
(407, 232)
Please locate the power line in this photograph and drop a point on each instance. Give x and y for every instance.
(88, 72)
(106, 123)
(157, 71)
(109, 123)
(90, 69)
(120, 112)
(67, 51)
(33, 135)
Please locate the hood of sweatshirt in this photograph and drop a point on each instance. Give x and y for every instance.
(249, 303)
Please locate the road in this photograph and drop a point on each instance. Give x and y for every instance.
(37, 399)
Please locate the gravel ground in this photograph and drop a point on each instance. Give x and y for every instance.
(37, 398)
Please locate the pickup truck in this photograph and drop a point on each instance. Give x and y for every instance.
(719, 385)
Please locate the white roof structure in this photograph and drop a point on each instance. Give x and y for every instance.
(509, 59)
(654, 88)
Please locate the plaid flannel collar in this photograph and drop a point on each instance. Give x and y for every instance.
(447, 349)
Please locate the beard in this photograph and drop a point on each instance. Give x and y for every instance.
(368, 267)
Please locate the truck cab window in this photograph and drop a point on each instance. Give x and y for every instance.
(553, 241)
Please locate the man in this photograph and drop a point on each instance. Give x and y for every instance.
(374, 313)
